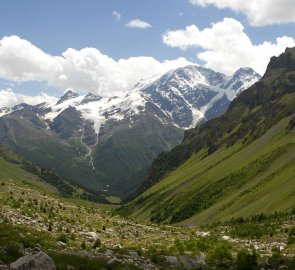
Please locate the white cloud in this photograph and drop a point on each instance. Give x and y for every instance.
(116, 15)
(20, 60)
(10, 98)
(226, 47)
(85, 70)
(138, 24)
(258, 12)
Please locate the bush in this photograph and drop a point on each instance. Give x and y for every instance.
(63, 238)
(291, 237)
(97, 244)
(221, 255)
(247, 260)
(83, 245)
(12, 253)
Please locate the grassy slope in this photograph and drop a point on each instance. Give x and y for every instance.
(11, 170)
(234, 181)
(13, 167)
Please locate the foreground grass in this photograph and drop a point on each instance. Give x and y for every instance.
(61, 227)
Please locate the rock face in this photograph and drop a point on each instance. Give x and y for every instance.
(34, 261)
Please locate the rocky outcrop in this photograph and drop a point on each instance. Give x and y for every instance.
(37, 260)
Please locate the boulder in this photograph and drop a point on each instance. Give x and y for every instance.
(112, 263)
(92, 236)
(109, 252)
(133, 255)
(192, 263)
(34, 261)
(172, 260)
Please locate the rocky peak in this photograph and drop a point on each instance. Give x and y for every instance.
(90, 98)
(68, 95)
(285, 61)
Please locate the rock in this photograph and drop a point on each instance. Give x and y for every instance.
(109, 252)
(36, 250)
(172, 260)
(22, 250)
(118, 246)
(92, 235)
(34, 261)
(62, 244)
(112, 262)
(225, 237)
(133, 255)
(283, 267)
(190, 263)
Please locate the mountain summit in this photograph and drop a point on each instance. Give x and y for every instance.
(67, 96)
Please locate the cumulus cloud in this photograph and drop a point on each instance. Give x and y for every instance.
(226, 47)
(116, 15)
(138, 24)
(85, 70)
(258, 12)
(20, 60)
(9, 98)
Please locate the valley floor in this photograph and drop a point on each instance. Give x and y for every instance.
(86, 236)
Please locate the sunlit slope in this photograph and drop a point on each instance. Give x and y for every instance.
(15, 168)
(11, 169)
(232, 182)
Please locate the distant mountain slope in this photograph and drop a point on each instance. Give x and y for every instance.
(108, 143)
(13, 167)
(239, 164)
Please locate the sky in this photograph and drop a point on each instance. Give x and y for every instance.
(107, 46)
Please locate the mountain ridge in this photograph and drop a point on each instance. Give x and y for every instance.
(238, 164)
(84, 134)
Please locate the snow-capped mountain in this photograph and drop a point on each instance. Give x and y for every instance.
(123, 134)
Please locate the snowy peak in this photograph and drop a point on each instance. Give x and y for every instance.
(242, 79)
(183, 97)
(67, 96)
(4, 111)
(192, 94)
(90, 98)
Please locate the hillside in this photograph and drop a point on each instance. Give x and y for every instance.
(15, 168)
(82, 235)
(239, 164)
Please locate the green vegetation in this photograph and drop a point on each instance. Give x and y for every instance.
(30, 218)
(15, 167)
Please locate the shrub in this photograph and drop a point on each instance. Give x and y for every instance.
(247, 260)
(83, 245)
(12, 253)
(97, 243)
(63, 238)
(221, 255)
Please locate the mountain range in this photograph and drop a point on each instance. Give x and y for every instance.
(239, 164)
(108, 143)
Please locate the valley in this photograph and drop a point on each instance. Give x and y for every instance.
(84, 235)
(203, 163)
(108, 143)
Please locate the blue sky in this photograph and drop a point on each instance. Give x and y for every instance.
(56, 25)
